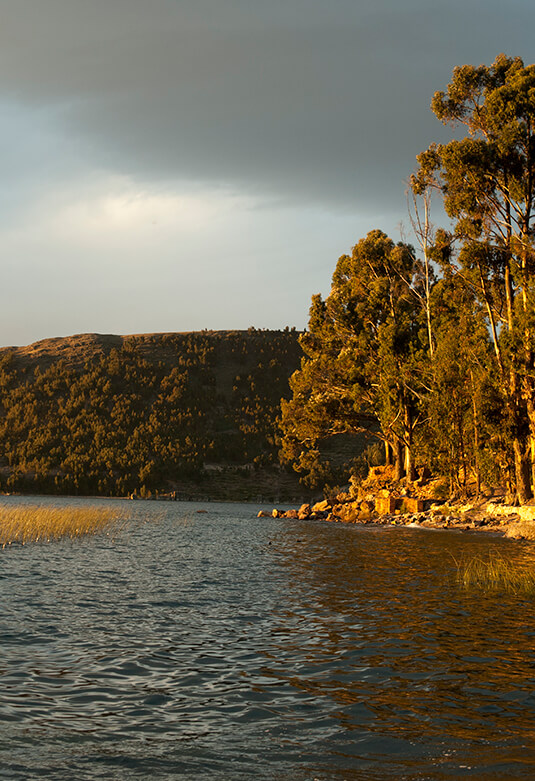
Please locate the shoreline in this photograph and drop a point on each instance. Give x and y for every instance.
(490, 517)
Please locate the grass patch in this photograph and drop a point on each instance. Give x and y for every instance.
(495, 573)
(34, 523)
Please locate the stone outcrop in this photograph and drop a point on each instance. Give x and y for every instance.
(386, 504)
(425, 503)
(381, 501)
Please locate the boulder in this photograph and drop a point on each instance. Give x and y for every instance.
(366, 507)
(348, 512)
(321, 507)
(304, 512)
(386, 504)
(411, 505)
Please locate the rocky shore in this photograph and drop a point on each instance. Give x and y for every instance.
(378, 501)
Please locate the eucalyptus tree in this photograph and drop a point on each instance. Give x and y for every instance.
(487, 180)
(362, 350)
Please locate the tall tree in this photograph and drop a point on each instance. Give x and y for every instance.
(487, 180)
(459, 438)
(359, 355)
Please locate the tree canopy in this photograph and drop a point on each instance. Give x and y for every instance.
(356, 374)
(487, 181)
(436, 355)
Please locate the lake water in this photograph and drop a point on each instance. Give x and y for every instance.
(215, 645)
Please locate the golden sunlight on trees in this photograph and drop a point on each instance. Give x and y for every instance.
(436, 355)
(487, 181)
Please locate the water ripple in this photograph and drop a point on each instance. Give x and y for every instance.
(220, 646)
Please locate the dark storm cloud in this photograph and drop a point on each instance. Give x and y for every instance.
(303, 100)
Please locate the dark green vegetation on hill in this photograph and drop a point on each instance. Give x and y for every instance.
(434, 350)
(191, 412)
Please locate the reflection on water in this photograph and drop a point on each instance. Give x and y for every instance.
(221, 646)
(410, 659)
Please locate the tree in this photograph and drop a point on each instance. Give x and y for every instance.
(360, 354)
(462, 419)
(487, 180)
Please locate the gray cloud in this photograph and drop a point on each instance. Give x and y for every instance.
(295, 99)
(179, 164)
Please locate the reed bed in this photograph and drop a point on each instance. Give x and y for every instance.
(27, 523)
(495, 573)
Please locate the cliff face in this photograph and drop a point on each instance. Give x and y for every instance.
(189, 412)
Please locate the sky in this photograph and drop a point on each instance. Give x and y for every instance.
(175, 165)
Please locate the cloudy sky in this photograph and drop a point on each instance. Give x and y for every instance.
(173, 165)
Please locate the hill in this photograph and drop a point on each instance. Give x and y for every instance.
(194, 413)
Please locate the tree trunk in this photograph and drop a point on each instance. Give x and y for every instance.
(476, 437)
(518, 410)
(410, 470)
(399, 471)
(531, 416)
(522, 470)
(409, 465)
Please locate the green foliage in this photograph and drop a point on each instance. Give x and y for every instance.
(463, 409)
(361, 350)
(144, 415)
(487, 181)
(442, 366)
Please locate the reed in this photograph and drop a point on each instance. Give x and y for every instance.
(35, 523)
(495, 573)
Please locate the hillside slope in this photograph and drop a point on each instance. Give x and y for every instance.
(193, 412)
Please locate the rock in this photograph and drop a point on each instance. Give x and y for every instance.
(321, 507)
(386, 504)
(304, 512)
(349, 512)
(411, 505)
(275, 514)
(263, 514)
